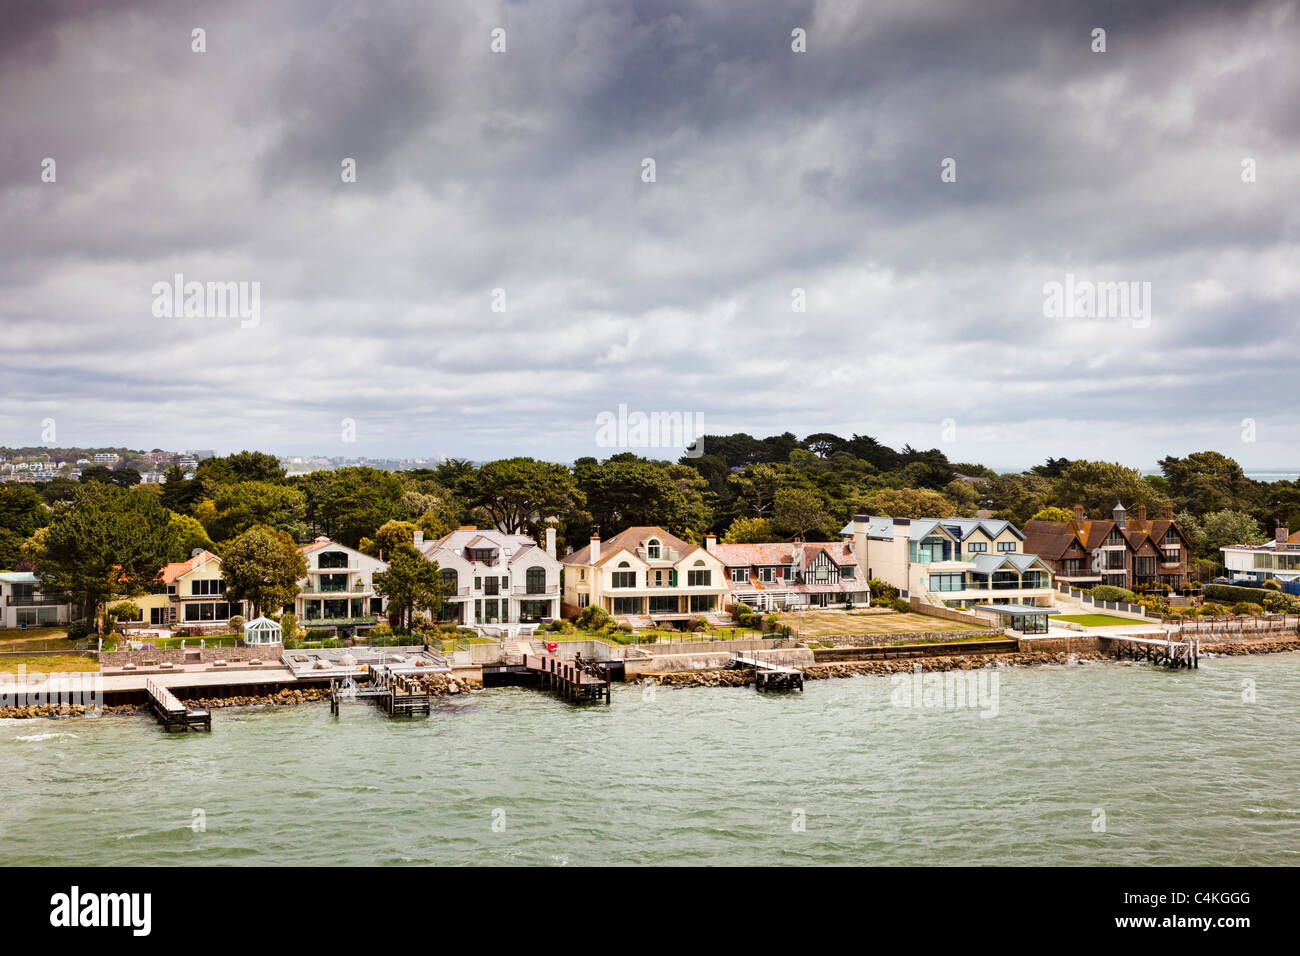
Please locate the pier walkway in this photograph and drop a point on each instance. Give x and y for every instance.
(172, 713)
(1171, 653)
(769, 676)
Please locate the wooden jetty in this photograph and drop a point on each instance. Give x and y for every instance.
(172, 713)
(575, 680)
(397, 694)
(770, 676)
(1169, 653)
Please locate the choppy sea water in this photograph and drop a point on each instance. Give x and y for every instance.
(1100, 764)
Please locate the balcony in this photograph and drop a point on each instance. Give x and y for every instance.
(340, 621)
(42, 600)
(315, 587)
(668, 555)
(352, 565)
(551, 590)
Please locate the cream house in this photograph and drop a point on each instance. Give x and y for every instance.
(956, 562)
(189, 594)
(646, 576)
(497, 580)
(338, 594)
(24, 603)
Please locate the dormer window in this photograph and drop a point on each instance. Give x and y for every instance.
(652, 549)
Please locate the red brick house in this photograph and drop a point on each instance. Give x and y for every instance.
(1134, 553)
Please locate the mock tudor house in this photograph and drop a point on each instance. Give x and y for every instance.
(497, 580)
(1132, 553)
(337, 597)
(955, 562)
(1278, 560)
(645, 576)
(798, 574)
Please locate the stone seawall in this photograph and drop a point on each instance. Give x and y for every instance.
(919, 637)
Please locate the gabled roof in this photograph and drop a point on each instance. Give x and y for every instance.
(782, 553)
(178, 569)
(988, 563)
(511, 546)
(630, 540)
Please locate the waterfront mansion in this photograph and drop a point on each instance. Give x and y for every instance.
(955, 562)
(798, 574)
(496, 579)
(645, 576)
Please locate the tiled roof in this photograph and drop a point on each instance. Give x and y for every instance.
(630, 540)
(171, 572)
(782, 552)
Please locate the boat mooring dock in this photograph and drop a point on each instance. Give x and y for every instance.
(1169, 652)
(769, 676)
(172, 713)
(574, 680)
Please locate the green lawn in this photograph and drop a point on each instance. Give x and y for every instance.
(1094, 620)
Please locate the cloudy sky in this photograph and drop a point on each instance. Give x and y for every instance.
(774, 170)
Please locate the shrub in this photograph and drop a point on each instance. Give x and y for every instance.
(237, 625)
(901, 606)
(593, 618)
(1272, 585)
(1232, 593)
(1246, 608)
(1212, 610)
(772, 622)
(288, 625)
(742, 608)
(1109, 592)
(697, 624)
(882, 592)
(79, 629)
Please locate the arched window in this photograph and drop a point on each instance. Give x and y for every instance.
(452, 577)
(536, 580)
(652, 548)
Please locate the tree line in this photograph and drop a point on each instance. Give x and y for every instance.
(101, 537)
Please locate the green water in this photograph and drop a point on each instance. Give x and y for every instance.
(1184, 770)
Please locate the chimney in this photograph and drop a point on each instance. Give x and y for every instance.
(550, 541)
(1280, 537)
(1169, 511)
(710, 542)
(797, 552)
(1078, 515)
(419, 537)
(595, 549)
(1142, 516)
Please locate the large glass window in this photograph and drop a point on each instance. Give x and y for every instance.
(699, 579)
(701, 603)
(627, 605)
(947, 582)
(623, 579)
(536, 580)
(1006, 546)
(660, 604)
(333, 582)
(333, 559)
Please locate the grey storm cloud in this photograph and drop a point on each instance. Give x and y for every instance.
(775, 171)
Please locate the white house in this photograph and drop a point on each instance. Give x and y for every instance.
(497, 579)
(23, 602)
(338, 594)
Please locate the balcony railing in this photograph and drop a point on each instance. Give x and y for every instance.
(551, 590)
(315, 587)
(43, 600)
(339, 621)
(352, 565)
(664, 554)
